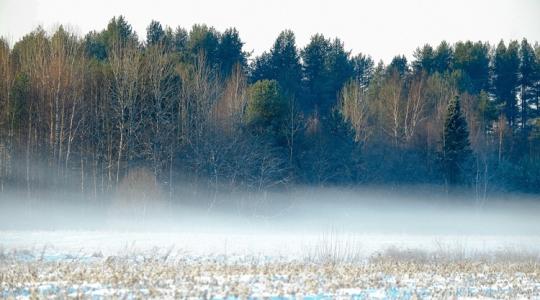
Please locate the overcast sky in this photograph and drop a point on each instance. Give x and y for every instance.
(381, 28)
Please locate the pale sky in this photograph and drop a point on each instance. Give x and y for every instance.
(380, 28)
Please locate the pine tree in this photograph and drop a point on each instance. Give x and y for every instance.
(281, 63)
(443, 57)
(314, 57)
(364, 67)
(326, 67)
(229, 52)
(398, 64)
(527, 70)
(424, 59)
(473, 60)
(285, 64)
(456, 148)
(505, 79)
(154, 33)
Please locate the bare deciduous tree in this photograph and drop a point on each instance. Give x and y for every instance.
(160, 117)
(414, 107)
(124, 92)
(6, 122)
(390, 99)
(355, 110)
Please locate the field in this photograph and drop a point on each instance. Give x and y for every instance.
(96, 265)
(308, 245)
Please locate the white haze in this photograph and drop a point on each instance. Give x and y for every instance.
(277, 223)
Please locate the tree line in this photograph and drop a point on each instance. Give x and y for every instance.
(194, 106)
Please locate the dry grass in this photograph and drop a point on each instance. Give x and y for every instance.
(334, 249)
(403, 274)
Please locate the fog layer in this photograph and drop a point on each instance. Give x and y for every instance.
(368, 210)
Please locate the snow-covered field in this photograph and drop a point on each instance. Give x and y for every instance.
(316, 244)
(117, 264)
(165, 275)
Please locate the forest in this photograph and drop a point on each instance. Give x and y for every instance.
(92, 113)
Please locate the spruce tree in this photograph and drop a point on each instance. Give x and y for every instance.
(456, 148)
(154, 33)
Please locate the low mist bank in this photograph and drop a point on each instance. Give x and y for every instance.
(303, 210)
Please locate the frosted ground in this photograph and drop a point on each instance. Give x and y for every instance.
(370, 247)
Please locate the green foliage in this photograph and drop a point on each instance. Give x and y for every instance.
(326, 68)
(505, 79)
(180, 40)
(230, 52)
(527, 67)
(443, 58)
(95, 46)
(456, 148)
(282, 64)
(529, 72)
(221, 51)
(154, 33)
(266, 108)
(487, 110)
(398, 64)
(339, 67)
(424, 59)
(261, 68)
(432, 60)
(314, 58)
(285, 62)
(473, 60)
(118, 34)
(180, 99)
(363, 67)
(120, 31)
(203, 40)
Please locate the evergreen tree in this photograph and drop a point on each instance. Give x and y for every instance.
(398, 64)
(180, 39)
(340, 70)
(326, 68)
(433, 60)
(230, 52)
(424, 59)
(455, 148)
(527, 80)
(261, 68)
(364, 67)
(282, 64)
(119, 31)
(204, 40)
(505, 79)
(473, 60)
(105, 104)
(442, 58)
(154, 33)
(314, 57)
(285, 64)
(95, 46)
